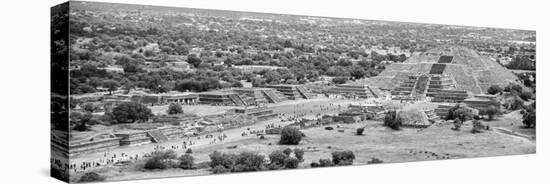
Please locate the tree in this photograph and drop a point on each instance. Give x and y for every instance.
(194, 61)
(290, 136)
(477, 127)
(360, 131)
(358, 73)
(343, 157)
(530, 119)
(339, 80)
(130, 112)
(161, 160)
(494, 89)
(111, 85)
(491, 111)
(174, 108)
(186, 161)
(461, 112)
(392, 120)
(457, 124)
(526, 95)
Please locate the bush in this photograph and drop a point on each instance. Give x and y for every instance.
(526, 95)
(245, 161)
(329, 128)
(314, 164)
(186, 161)
(494, 89)
(516, 104)
(391, 120)
(360, 131)
(477, 127)
(375, 161)
(161, 160)
(460, 112)
(278, 158)
(248, 161)
(282, 158)
(457, 124)
(220, 169)
(299, 153)
(530, 119)
(514, 89)
(325, 163)
(292, 163)
(491, 111)
(343, 157)
(91, 177)
(290, 136)
(339, 80)
(188, 151)
(174, 108)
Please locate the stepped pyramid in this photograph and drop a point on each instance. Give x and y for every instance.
(453, 68)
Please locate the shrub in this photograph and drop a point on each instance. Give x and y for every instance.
(287, 151)
(161, 160)
(491, 111)
(477, 127)
(339, 80)
(91, 177)
(360, 131)
(278, 158)
(314, 164)
(514, 89)
(186, 161)
(248, 161)
(460, 112)
(222, 159)
(516, 104)
(174, 108)
(457, 124)
(245, 161)
(292, 163)
(530, 119)
(299, 153)
(188, 151)
(375, 161)
(343, 157)
(526, 95)
(329, 128)
(325, 163)
(290, 136)
(494, 89)
(220, 169)
(391, 120)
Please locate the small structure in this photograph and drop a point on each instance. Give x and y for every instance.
(133, 138)
(358, 90)
(260, 113)
(223, 98)
(261, 95)
(293, 92)
(95, 143)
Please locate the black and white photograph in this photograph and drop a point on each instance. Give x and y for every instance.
(167, 91)
(265, 92)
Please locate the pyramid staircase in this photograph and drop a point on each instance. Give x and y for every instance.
(303, 92)
(157, 136)
(272, 96)
(238, 100)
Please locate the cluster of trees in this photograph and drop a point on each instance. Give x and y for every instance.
(160, 160)
(339, 158)
(250, 161)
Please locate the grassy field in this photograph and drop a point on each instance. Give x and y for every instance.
(434, 143)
